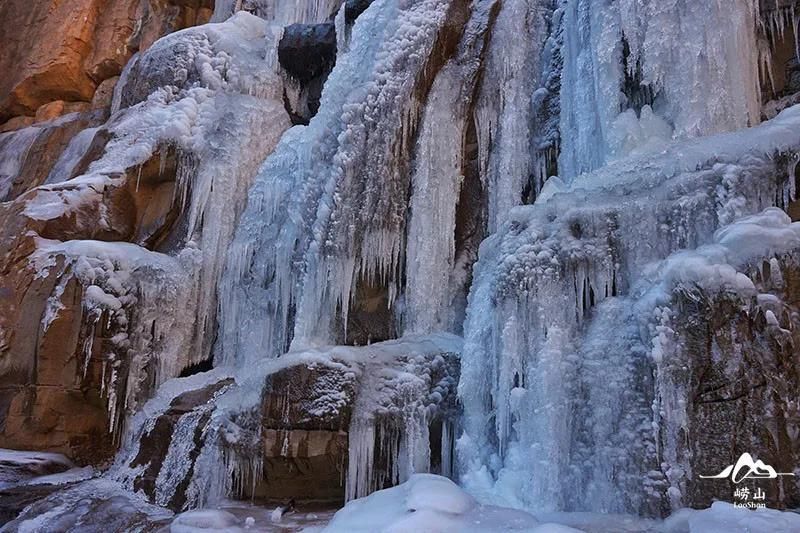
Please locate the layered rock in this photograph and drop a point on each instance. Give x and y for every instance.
(316, 413)
(63, 52)
(734, 362)
(84, 329)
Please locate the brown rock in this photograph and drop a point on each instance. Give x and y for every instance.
(59, 108)
(48, 403)
(55, 50)
(44, 45)
(161, 17)
(17, 123)
(303, 465)
(113, 41)
(104, 94)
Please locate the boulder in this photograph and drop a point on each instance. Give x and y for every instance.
(307, 51)
(57, 50)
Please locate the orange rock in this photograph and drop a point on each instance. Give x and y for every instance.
(57, 50)
(113, 42)
(58, 108)
(17, 123)
(104, 94)
(44, 44)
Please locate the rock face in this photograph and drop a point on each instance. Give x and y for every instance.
(298, 442)
(741, 369)
(305, 444)
(62, 51)
(73, 181)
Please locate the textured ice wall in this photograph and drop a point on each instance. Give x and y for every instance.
(281, 12)
(555, 371)
(699, 59)
(436, 273)
(328, 207)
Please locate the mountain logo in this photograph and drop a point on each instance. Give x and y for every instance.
(746, 468)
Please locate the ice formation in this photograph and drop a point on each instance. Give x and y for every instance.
(696, 63)
(280, 12)
(561, 283)
(515, 66)
(327, 209)
(434, 273)
(403, 387)
(570, 380)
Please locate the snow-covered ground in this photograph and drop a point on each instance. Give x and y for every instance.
(426, 503)
(38, 468)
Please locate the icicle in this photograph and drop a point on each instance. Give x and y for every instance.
(341, 31)
(330, 203)
(592, 73)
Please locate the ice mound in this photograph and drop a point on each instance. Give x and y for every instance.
(205, 520)
(428, 503)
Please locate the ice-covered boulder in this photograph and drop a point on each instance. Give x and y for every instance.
(161, 185)
(303, 426)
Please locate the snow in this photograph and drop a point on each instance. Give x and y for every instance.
(205, 520)
(69, 476)
(429, 503)
(17, 466)
(724, 517)
(434, 504)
